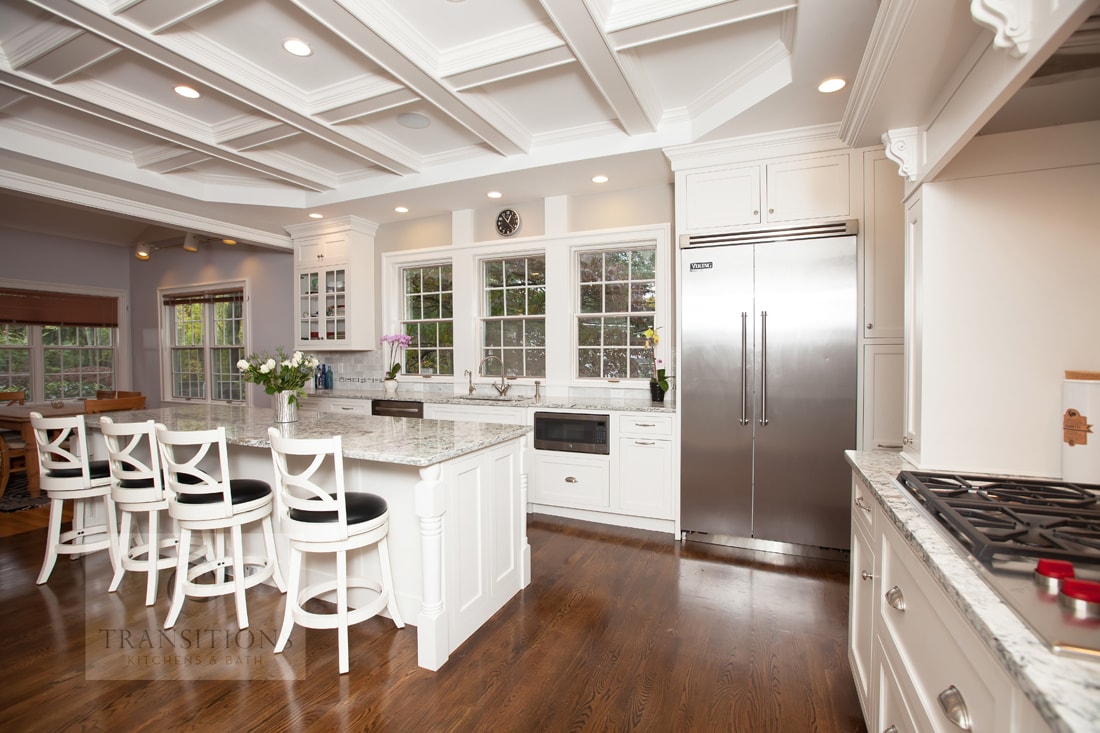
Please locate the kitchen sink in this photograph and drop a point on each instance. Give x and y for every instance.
(491, 398)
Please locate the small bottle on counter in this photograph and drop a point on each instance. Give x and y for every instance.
(328, 378)
(321, 377)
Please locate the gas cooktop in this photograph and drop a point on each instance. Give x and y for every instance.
(1036, 542)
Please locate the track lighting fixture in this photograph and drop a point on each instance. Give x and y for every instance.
(191, 242)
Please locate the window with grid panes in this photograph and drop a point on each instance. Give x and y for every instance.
(15, 359)
(513, 324)
(207, 341)
(77, 360)
(617, 303)
(428, 295)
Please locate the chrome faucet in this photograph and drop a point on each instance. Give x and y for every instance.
(502, 388)
(469, 381)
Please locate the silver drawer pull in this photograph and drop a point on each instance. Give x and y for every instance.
(895, 598)
(954, 707)
(644, 442)
(866, 575)
(862, 504)
(570, 480)
(645, 424)
(891, 729)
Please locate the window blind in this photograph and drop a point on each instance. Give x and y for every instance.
(45, 309)
(205, 296)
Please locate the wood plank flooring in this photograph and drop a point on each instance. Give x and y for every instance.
(620, 630)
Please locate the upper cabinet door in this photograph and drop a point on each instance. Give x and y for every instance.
(322, 251)
(883, 248)
(726, 197)
(812, 188)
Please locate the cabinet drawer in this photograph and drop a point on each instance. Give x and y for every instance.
(566, 480)
(937, 649)
(863, 506)
(353, 407)
(645, 424)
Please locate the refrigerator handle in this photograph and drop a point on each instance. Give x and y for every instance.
(763, 367)
(744, 367)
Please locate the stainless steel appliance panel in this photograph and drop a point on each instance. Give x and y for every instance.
(716, 394)
(397, 408)
(806, 385)
(766, 461)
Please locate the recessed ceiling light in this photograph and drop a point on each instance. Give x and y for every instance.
(599, 179)
(229, 241)
(829, 86)
(413, 120)
(494, 194)
(297, 47)
(315, 215)
(185, 91)
(401, 209)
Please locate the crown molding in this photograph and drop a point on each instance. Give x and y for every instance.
(813, 139)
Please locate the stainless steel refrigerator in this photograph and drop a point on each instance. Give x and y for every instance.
(767, 385)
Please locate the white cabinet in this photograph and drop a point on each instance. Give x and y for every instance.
(502, 414)
(798, 189)
(883, 247)
(862, 594)
(914, 307)
(883, 395)
(570, 480)
(334, 284)
(643, 465)
(917, 663)
(348, 407)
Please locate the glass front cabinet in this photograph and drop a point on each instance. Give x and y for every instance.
(334, 279)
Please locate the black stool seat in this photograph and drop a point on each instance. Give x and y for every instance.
(242, 491)
(97, 469)
(361, 508)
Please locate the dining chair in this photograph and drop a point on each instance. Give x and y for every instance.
(12, 397)
(92, 407)
(137, 488)
(317, 515)
(203, 497)
(13, 458)
(66, 474)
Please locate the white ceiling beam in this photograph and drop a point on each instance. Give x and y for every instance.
(170, 160)
(593, 50)
(497, 130)
(511, 68)
(631, 31)
(365, 107)
(161, 51)
(42, 91)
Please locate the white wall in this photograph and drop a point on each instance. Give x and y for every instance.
(1012, 300)
(270, 276)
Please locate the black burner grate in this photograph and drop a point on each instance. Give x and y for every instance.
(1001, 519)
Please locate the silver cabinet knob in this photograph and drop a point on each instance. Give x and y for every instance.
(866, 575)
(870, 326)
(862, 504)
(570, 479)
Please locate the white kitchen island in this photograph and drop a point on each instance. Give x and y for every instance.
(457, 500)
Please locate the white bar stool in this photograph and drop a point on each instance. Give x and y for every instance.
(203, 499)
(66, 474)
(317, 521)
(137, 487)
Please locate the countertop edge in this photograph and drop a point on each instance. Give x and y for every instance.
(609, 404)
(1065, 691)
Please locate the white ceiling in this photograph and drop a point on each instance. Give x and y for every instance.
(529, 97)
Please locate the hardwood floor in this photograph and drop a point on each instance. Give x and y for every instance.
(620, 630)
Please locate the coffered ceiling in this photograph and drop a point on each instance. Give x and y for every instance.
(401, 102)
(425, 104)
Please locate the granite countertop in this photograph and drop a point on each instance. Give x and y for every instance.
(609, 404)
(408, 441)
(1065, 691)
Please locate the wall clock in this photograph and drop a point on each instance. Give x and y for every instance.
(507, 223)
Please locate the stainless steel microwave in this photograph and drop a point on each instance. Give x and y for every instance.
(572, 432)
